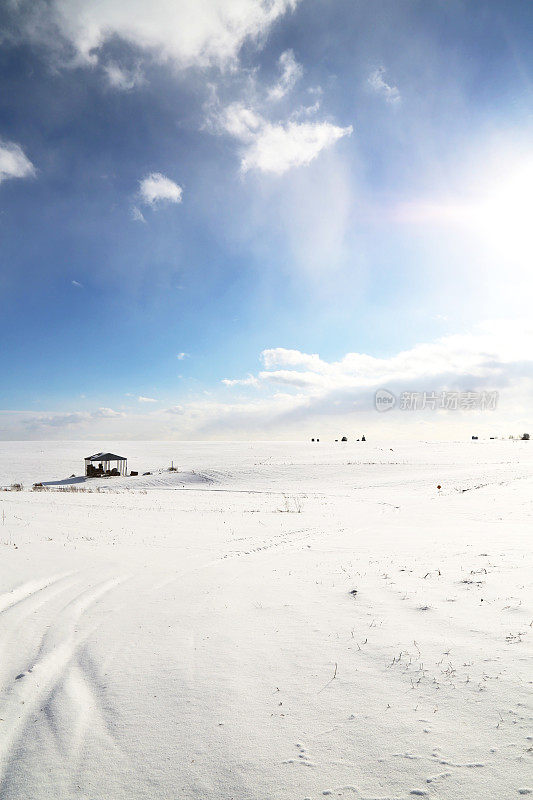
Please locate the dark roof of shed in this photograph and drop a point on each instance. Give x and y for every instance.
(105, 457)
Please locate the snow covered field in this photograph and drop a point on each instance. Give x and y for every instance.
(197, 634)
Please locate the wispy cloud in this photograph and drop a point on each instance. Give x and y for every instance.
(107, 413)
(137, 214)
(251, 380)
(68, 420)
(123, 79)
(142, 399)
(175, 410)
(181, 356)
(14, 163)
(379, 85)
(78, 284)
(291, 72)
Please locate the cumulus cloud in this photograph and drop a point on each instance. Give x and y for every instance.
(291, 72)
(493, 357)
(142, 399)
(13, 162)
(379, 85)
(280, 146)
(487, 356)
(157, 188)
(295, 390)
(182, 32)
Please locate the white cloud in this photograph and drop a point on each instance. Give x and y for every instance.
(123, 79)
(156, 188)
(378, 84)
(183, 32)
(63, 420)
(291, 72)
(486, 357)
(107, 413)
(281, 357)
(240, 122)
(251, 380)
(299, 393)
(277, 147)
(77, 284)
(13, 162)
(70, 419)
(142, 399)
(175, 410)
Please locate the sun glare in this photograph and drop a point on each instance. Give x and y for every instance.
(504, 218)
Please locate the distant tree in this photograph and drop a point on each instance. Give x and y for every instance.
(525, 437)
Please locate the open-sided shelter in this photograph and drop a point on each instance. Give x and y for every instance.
(100, 464)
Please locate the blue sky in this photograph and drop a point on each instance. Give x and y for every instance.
(191, 198)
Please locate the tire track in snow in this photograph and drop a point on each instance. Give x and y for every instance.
(279, 540)
(71, 710)
(20, 611)
(32, 686)
(28, 590)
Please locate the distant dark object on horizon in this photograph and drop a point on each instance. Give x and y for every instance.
(344, 439)
(363, 438)
(525, 437)
(475, 437)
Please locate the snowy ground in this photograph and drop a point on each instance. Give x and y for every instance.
(195, 634)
